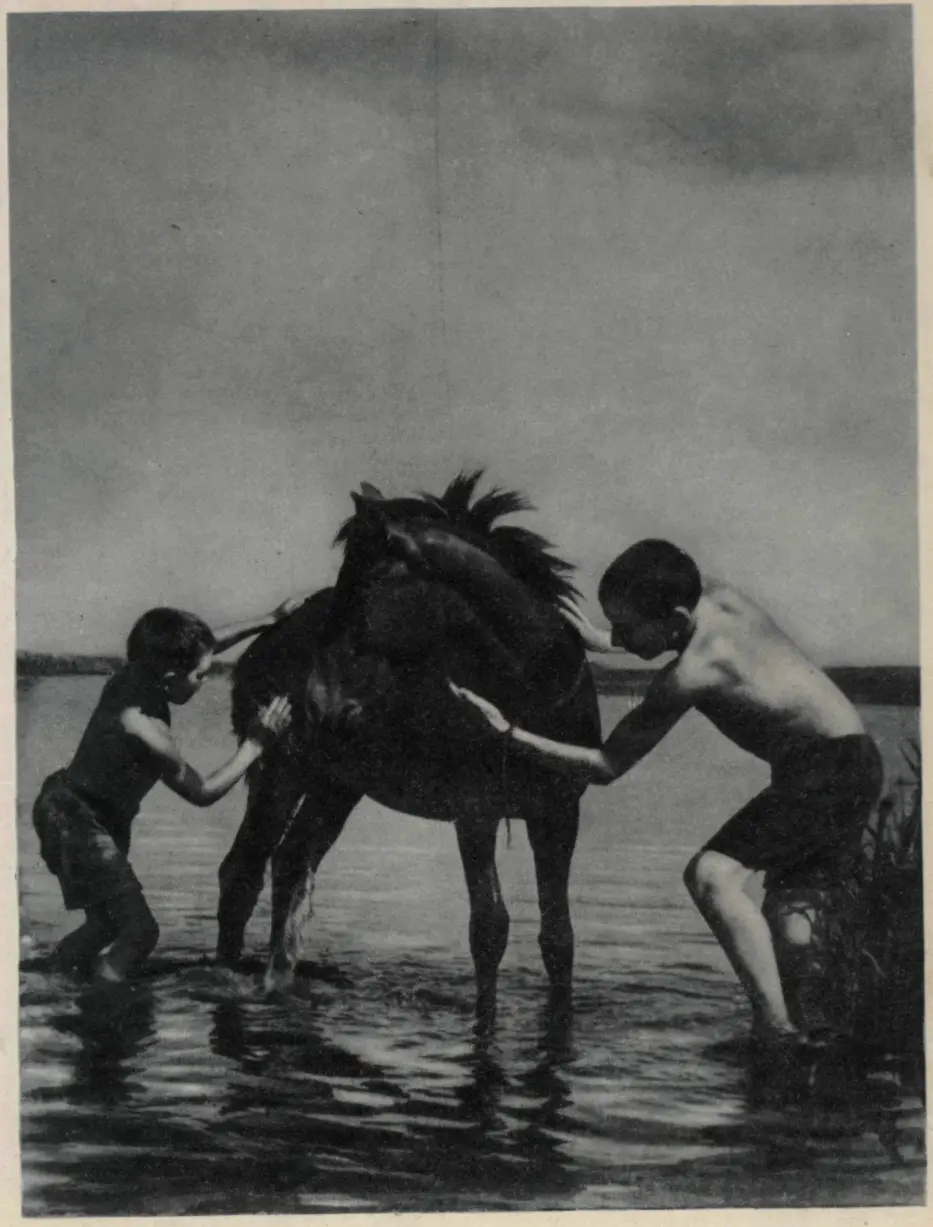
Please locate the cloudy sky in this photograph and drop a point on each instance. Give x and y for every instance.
(653, 267)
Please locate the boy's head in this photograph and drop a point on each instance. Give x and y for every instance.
(174, 647)
(649, 594)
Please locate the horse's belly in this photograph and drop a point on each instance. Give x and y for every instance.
(484, 787)
(424, 805)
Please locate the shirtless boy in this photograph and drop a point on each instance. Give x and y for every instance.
(83, 813)
(736, 667)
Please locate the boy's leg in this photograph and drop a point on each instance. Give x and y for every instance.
(716, 883)
(77, 953)
(136, 935)
(96, 877)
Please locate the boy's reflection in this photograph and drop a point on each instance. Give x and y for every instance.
(114, 1024)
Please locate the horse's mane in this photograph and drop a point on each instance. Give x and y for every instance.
(524, 554)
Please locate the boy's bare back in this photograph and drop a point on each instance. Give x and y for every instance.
(751, 681)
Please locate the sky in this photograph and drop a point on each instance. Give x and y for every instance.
(654, 268)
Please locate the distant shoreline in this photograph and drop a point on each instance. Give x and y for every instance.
(882, 685)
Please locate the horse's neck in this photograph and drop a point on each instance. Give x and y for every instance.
(525, 624)
(523, 621)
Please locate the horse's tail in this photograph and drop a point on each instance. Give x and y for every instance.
(504, 775)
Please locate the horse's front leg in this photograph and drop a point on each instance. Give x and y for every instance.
(313, 832)
(275, 790)
(489, 919)
(553, 838)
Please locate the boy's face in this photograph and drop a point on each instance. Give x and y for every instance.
(644, 637)
(180, 687)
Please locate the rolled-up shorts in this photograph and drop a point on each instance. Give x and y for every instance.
(77, 847)
(807, 825)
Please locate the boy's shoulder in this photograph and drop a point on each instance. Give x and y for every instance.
(129, 687)
(705, 664)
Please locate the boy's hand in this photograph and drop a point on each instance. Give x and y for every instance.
(485, 712)
(593, 639)
(270, 721)
(288, 607)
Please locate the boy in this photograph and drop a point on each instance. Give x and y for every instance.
(737, 668)
(83, 813)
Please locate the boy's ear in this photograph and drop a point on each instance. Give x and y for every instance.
(684, 617)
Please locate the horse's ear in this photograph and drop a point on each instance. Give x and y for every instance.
(370, 492)
(364, 503)
(367, 509)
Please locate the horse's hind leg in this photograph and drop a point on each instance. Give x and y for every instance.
(312, 833)
(553, 839)
(274, 793)
(489, 919)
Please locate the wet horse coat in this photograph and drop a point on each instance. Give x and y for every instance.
(367, 665)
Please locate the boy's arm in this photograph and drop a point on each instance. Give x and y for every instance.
(181, 777)
(633, 737)
(226, 637)
(645, 726)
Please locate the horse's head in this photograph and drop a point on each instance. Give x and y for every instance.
(368, 536)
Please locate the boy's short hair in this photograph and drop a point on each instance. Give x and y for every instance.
(654, 577)
(169, 639)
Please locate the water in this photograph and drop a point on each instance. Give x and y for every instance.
(365, 1088)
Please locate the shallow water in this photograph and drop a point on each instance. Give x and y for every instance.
(365, 1088)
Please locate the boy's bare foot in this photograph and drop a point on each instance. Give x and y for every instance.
(770, 1038)
(781, 1043)
(106, 974)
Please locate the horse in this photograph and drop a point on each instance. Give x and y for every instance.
(367, 665)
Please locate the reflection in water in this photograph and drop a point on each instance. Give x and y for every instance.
(113, 1025)
(473, 1127)
(338, 1099)
(805, 1110)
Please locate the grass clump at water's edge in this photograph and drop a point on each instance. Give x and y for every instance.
(886, 949)
(862, 972)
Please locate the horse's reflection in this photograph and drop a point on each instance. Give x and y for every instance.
(114, 1024)
(271, 1047)
(492, 1130)
(519, 1136)
(543, 1082)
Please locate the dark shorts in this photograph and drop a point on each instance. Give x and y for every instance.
(77, 847)
(808, 824)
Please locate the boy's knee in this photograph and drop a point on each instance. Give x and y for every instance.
(135, 920)
(796, 929)
(695, 874)
(146, 928)
(101, 925)
(708, 873)
(793, 924)
(149, 933)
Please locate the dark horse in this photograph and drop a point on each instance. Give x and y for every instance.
(367, 664)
